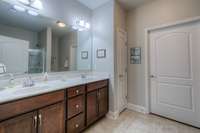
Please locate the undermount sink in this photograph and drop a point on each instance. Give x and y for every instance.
(30, 89)
(16, 89)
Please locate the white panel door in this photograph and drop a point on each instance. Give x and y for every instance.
(175, 73)
(122, 69)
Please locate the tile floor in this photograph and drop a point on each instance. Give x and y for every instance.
(133, 122)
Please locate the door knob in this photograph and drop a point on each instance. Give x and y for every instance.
(153, 76)
(121, 75)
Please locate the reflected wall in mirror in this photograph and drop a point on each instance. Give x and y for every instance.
(35, 44)
(66, 50)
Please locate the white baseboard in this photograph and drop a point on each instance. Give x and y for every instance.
(112, 115)
(137, 108)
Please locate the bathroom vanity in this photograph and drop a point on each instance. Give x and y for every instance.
(62, 101)
(69, 110)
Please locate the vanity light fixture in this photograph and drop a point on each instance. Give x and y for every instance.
(19, 8)
(61, 24)
(26, 2)
(30, 6)
(33, 13)
(36, 4)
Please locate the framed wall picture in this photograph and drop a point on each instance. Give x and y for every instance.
(101, 53)
(135, 55)
(84, 55)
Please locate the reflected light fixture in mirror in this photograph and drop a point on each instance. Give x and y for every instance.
(61, 24)
(81, 25)
(87, 25)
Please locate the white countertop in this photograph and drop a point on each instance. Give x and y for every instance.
(11, 94)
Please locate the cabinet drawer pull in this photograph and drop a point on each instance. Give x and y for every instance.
(35, 121)
(40, 120)
(77, 106)
(77, 92)
(77, 125)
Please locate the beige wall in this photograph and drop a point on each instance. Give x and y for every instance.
(120, 16)
(152, 14)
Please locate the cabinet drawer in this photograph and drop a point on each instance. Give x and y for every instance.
(76, 124)
(97, 85)
(75, 106)
(75, 91)
(26, 105)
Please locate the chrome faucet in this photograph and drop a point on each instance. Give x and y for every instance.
(28, 82)
(11, 80)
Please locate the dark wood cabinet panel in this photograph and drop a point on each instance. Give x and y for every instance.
(76, 106)
(97, 85)
(92, 107)
(22, 124)
(76, 124)
(26, 105)
(75, 91)
(103, 101)
(51, 119)
(97, 100)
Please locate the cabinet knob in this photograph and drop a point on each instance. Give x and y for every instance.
(77, 91)
(77, 106)
(77, 125)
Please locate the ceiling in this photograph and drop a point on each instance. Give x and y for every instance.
(128, 4)
(93, 4)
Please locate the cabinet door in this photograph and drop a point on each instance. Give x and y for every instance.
(22, 124)
(51, 119)
(103, 101)
(92, 107)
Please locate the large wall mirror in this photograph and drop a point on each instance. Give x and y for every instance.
(36, 44)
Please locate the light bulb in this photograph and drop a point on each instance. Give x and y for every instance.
(82, 23)
(75, 27)
(33, 13)
(87, 25)
(19, 8)
(37, 4)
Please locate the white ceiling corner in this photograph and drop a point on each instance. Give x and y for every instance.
(130, 4)
(93, 4)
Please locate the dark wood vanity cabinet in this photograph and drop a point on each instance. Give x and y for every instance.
(86, 104)
(70, 110)
(76, 109)
(20, 124)
(51, 119)
(40, 114)
(97, 101)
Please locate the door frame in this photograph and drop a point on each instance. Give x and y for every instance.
(147, 56)
(121, 31)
